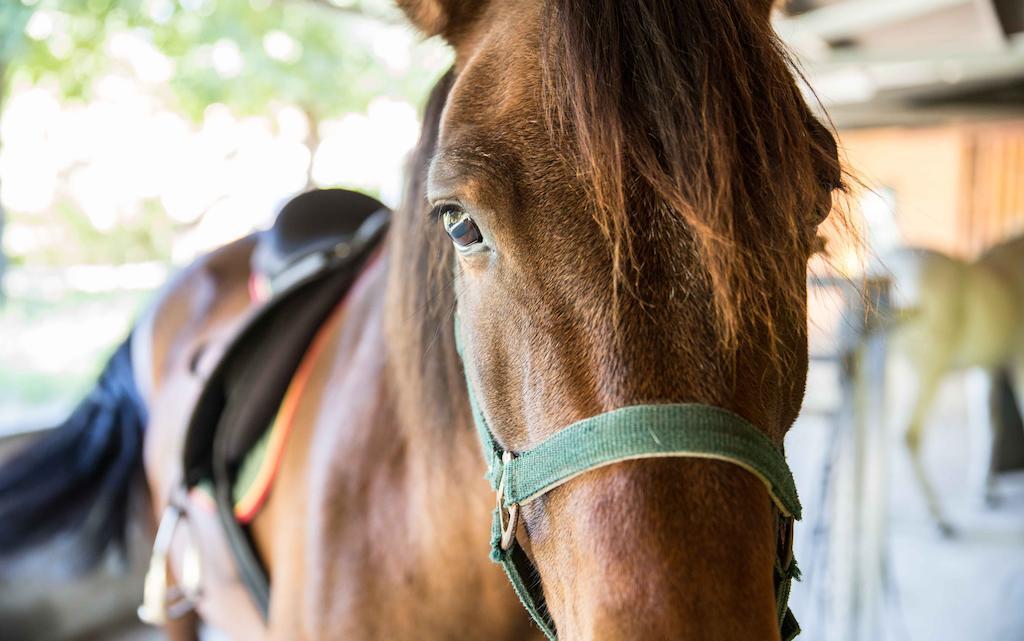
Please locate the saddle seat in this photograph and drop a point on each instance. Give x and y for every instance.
(308, 230)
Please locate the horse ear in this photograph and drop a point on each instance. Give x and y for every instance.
(447, 18)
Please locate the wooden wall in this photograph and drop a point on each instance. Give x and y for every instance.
(993, 202)
(959, 188)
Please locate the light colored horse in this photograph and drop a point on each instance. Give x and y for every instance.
(955, 315)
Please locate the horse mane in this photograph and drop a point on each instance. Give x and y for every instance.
(421, 296)
(691, 106)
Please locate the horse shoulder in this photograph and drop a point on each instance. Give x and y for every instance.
(338, 399)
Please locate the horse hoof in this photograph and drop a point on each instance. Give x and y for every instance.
(946, 530)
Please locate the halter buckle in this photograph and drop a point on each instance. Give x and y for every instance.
(508, 528)
(786, 535)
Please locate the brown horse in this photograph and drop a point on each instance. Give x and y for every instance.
(621, 197)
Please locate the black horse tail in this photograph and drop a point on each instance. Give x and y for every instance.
(75, 479)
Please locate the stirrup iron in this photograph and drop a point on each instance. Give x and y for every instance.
(160, 602)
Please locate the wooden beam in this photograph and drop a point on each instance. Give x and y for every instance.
(847, 19)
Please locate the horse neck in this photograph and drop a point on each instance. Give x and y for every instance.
(424, 379)
(449, 502)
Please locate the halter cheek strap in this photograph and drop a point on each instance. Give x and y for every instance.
(630, 433)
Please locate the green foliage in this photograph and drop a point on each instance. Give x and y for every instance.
(331, 70)
(323, 56)
(74, 57)
(13, 18)
(327, 66)
(72, 239)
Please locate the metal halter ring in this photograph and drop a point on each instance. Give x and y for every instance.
(785, 543)
(508, 529)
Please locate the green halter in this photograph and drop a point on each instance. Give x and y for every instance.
(640, 431)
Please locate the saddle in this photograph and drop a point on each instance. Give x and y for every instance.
(301, 268)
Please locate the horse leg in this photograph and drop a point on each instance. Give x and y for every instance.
(985, 390)
(1012, 414)
(928, 384)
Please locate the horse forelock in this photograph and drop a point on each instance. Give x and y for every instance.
(690, 107)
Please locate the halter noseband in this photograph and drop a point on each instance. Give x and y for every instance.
(688, 430)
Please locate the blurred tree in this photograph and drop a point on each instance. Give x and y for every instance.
(13, 18)
(323, 57)
(326, 57)
(63, 42)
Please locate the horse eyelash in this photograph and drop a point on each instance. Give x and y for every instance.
(435, 212)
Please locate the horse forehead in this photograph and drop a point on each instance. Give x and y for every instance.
(499, 70)
(494, 134)
(496, 88)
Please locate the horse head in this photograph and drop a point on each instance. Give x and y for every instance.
(626, 194)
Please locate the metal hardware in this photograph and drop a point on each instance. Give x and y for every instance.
(161, 602)
(786, 536)
(508, 529)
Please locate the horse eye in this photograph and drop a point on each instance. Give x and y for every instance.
(460, 227)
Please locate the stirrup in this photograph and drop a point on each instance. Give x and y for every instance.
(161, 603)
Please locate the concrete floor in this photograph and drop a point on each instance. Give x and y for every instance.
(970, 586)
